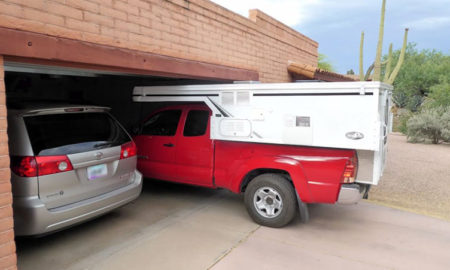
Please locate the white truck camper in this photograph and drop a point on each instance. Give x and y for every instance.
(349, 115)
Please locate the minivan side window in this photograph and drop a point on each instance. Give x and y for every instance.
(162, 124)
(196, 123)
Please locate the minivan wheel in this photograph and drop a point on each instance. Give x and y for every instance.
(270, 200)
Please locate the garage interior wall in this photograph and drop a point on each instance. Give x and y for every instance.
(7, 244)
(198, 30)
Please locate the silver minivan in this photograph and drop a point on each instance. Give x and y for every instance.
(68, 164)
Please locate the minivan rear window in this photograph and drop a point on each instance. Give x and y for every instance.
(70, 133)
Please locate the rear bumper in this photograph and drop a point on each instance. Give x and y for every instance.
(31, 217)
(351, 193)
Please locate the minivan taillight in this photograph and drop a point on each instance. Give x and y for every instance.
(128, 150)
(24, 166)
(40, 165)
(53, 164)
(350, 170)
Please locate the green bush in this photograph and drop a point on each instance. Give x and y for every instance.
(424, 73)
(414, 103)
(401, 117)
(440, 94)
(446, 125)
(431, 124)
(400, 99)
(402, 123)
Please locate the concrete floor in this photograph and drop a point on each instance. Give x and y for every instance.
(169, 226)
(182, 227)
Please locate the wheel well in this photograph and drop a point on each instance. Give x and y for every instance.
(252, 174)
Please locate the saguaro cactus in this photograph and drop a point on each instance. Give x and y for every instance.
(388, 64)
(377, 64)
(390, 77)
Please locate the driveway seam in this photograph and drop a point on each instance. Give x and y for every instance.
(233, 247)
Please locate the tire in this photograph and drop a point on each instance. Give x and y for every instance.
(270, 200)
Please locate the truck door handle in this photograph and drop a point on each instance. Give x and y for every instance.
(168, 145)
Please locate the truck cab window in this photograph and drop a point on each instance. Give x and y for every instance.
(196, 123)
(162, 124)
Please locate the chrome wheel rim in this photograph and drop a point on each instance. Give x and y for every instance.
(268, 202)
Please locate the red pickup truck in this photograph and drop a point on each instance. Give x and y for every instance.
(277, 180)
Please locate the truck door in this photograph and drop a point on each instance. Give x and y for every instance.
(195, 150)
(156, 145)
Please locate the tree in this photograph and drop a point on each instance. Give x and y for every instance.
(439, 95)
(424, 75)
(350, 72)
(423, 86)
(324, 63)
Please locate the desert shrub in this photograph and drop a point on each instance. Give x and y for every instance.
(400, 99)
(402, 123)
(446, 125)
(414, 103)
(401, 117)
(431, 124)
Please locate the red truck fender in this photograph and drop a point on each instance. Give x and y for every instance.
(247, 169)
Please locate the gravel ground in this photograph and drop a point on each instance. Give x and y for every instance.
(416, 178)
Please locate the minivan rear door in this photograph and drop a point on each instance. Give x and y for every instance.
(92, 142)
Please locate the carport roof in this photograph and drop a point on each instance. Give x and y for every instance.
(306, 72)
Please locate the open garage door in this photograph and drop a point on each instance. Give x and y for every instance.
(34, 83)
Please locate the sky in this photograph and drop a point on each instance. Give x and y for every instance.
(337, 24)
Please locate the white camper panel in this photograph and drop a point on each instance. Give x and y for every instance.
(351, 115)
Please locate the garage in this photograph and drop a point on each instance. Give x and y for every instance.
(45, 84)
(159, 205)
(52, 82)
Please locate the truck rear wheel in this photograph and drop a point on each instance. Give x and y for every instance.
(270, 200)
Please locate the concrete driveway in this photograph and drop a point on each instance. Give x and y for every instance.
(181, 227)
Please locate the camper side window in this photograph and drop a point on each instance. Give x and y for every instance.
(164, 123)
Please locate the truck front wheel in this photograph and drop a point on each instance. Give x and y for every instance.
(270, 200)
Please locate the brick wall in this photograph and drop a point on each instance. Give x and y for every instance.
(7, 245)
(190, 29)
